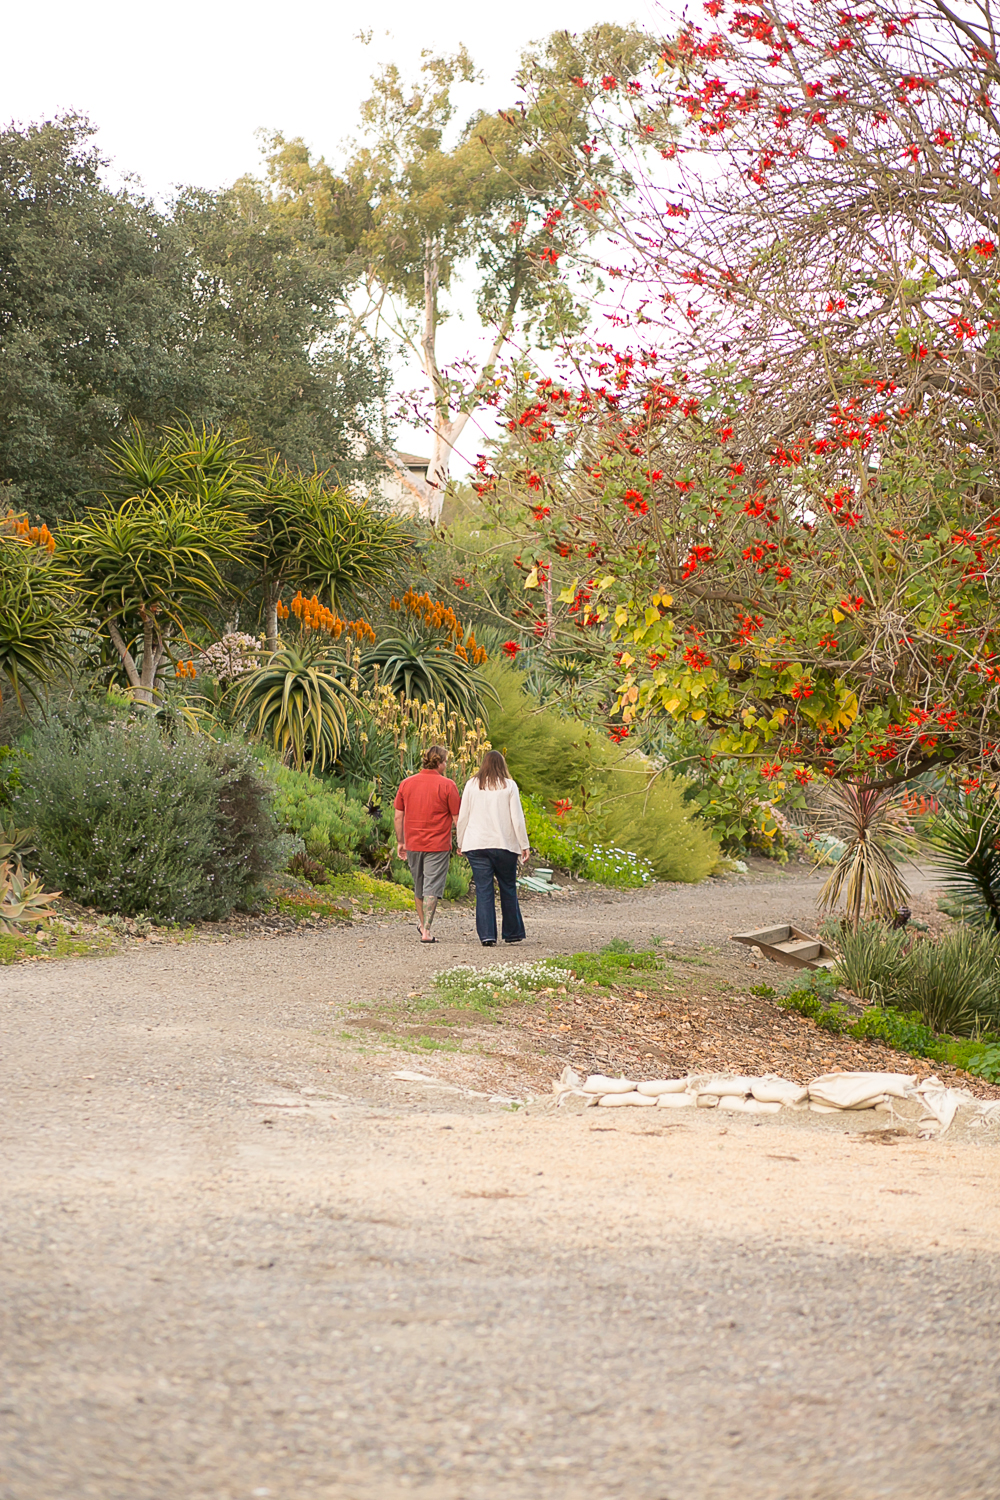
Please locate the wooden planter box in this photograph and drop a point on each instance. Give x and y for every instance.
(790, 946)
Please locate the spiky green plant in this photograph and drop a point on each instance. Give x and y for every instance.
(871, 959)
(23, 898)
(298, 702)
(967, 845)
(954, 984)
(182, 458)
(428, 671)
(154, 563)
(36, 611)
(866, 875)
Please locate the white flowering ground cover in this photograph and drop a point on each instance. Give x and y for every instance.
(466, 985)
(618, 867)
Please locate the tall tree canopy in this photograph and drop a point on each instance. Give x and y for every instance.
(112, 312)
(777, 494)
(416, 210)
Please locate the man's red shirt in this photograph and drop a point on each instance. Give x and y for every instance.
(429, 803)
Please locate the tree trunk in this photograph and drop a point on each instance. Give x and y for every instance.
(271, 619)
(127, 659)
(447, 429)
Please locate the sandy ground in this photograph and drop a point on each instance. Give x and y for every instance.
(240, 1259)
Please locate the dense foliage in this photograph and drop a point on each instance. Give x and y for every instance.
(128, 821)
(111, 311)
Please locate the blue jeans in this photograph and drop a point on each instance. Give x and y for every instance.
(501, 863)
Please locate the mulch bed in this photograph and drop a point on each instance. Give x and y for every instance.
(654, 1029)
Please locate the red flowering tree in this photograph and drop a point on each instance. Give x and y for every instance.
(779, 508)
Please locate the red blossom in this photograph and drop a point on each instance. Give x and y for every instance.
(510, 649)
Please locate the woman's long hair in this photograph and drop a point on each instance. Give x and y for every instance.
(493, 772)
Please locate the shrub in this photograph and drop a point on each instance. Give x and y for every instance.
(615, 796)
(131, 822)
(652, 819)
(326, 819)
(246, 845)
(550, 842)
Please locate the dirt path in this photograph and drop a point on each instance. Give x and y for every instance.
(240, 1259)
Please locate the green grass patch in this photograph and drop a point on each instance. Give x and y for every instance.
(15, 949)
(468, 988)
(610, 968)
(305, 904)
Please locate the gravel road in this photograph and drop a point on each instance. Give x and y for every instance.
(240, 1259)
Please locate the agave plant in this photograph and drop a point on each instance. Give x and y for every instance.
(299, 701)
(866, 875)
(427, 672)
(22, 898)
(15, 843)
(967, 844)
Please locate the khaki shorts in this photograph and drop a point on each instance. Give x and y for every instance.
(429, 868)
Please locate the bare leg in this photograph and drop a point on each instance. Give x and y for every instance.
(431, 908)
(418, 903)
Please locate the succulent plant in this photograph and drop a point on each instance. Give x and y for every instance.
(22, 898)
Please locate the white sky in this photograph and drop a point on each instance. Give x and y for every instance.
(178, 91)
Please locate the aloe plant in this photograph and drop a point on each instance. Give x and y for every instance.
(23, 899)
(298, 701)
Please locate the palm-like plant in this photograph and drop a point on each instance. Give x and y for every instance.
(157, 560)
(866, 873)
(429, 672)
(299, 702)
(967, 844)
(314, 537)
(36, 609)
(183, 459)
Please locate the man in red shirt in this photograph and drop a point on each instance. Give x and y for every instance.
(426, 811)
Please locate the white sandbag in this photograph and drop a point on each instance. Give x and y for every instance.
(598, 1084)
(707, 1101)
(675, 1101)
(748, 1106)
(727, 1084)
(941, 1106)
(778, 1091)
(616, 1101)
(659, 1086)
(823, 1109)
(859, 1090)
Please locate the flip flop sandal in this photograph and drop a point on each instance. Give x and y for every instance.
(429, 940)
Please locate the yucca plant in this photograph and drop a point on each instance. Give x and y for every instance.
(23, 899)
(182, 458)
(866, 875)
(427, 672)
(298, 701)
(967, 845)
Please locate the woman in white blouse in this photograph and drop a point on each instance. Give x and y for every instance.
(491, 834)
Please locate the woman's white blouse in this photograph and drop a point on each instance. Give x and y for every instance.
(491, 818)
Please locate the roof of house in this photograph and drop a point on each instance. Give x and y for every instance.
(412, 460)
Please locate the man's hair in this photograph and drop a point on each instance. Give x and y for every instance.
(435, 756)
(493, 771)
